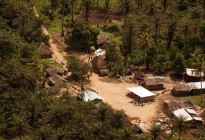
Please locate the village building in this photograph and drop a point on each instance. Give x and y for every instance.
(193, 75)
(54, 89)
(52, 70)
(142, 94)
(100, 66)
(196, 87)
(56, 80)
(169, 106)
(90, 95)
(181, 89)
(189, 114)
(102, 40)
(44, 51)
(154, 83)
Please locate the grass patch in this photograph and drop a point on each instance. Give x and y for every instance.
(196, 99)
(110, 80)
(48, 63)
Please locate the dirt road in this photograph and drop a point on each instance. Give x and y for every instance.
(57, 56)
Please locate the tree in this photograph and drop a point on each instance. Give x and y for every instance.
(87, 4)
(197, 61)
(180, 124)
(118, 119)
(80, 70)
(83, 35)
(145, 42)
(129, 36)
(179, 63)
(155, 132)
(102, 113)
(19, 125)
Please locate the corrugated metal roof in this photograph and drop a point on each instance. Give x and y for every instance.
(141, 92)
(193, 72)
(184, 113)
(197, 85)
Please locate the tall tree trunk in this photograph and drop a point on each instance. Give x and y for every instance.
(171, 31)
(87, 10)
(179, 133)
(165, 3)
(62, 21)
(145, 60)
(201, 88)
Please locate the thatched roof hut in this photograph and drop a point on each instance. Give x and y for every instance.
(54, 89)
(181, 89)
(102, 39)
(56, 80)
(169, 106)
(99, 63)
(44, 51)
(52, 70)
(154, 83)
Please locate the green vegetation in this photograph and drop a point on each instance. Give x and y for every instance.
(158, 35)
(80, 70)
(196, 100)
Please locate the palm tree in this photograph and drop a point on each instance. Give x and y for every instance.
(145, 43)
(102, 113)
(197, 61)
(44, 132)
(127, 133)
(155, 131)
(118, 118)
(19, 125)
(180, 124)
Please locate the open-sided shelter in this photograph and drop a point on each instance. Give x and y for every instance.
(192, 75)
(154, 83)
(142, 94)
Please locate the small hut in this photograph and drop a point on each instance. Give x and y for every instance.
(154, 83)
(44, 51)
(169, 106)
(52, 70)
(181, 90)
(54, 89)
(196, 87)
(99, 63)
(192, 75)
(56, 80)
(102, 40)
(142, 94)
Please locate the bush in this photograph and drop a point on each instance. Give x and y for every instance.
(111, 28)
(199, 133)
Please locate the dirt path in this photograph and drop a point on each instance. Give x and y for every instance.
(57, 56)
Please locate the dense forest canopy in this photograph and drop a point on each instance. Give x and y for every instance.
(161, 34)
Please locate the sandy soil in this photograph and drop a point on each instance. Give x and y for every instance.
(115, 95)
